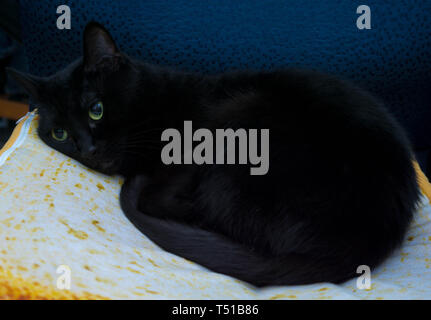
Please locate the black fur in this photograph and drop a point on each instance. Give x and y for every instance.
(340, 191)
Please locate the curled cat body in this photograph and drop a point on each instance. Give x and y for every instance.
(340, 191)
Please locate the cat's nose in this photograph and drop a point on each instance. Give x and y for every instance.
(89, 151)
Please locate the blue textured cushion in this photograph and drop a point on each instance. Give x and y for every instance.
(393, 59)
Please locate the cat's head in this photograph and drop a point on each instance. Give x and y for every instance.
(83, 108)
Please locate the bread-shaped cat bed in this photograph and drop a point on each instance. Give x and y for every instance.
(64, 236)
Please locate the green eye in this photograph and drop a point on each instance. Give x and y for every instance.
(96, 111)
(59, 134)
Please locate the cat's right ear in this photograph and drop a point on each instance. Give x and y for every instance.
(31, 84)
(100, 49)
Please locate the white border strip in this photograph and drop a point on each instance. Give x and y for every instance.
(21, 137)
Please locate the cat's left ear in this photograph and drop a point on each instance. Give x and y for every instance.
(99, 47)
(31, 84)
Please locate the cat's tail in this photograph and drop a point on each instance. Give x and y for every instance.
(222, 255)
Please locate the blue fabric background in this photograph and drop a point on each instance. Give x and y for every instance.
(393, 59)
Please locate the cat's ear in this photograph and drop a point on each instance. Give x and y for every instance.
(31, 84)
(99, 46)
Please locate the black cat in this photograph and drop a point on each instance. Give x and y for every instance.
(340, 191)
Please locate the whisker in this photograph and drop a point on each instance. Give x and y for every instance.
(145, 130)
(140, 139)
